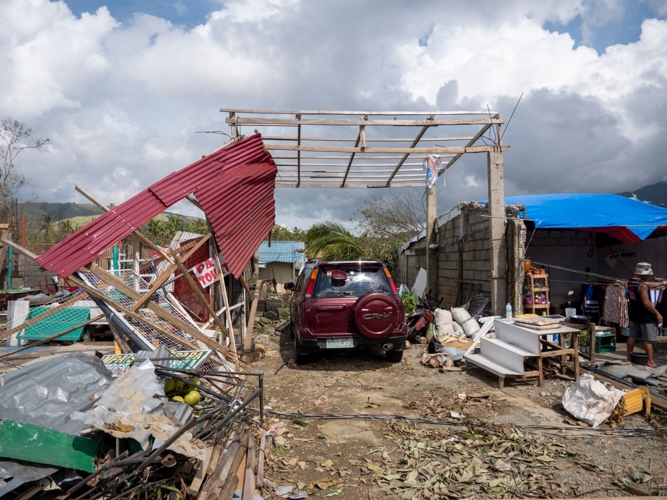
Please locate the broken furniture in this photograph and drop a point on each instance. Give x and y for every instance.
(504, 355)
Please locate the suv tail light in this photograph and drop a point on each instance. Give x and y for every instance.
(311, 283)
(391, 281)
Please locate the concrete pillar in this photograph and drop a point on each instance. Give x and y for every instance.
(431, 241)
(516, 250)
(17, 314)
(497, 224)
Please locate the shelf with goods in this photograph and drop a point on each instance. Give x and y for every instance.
(536, 288)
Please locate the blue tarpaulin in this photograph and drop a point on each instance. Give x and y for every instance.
(623, 218)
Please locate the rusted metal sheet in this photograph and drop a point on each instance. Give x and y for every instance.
(245, 214)
(91, 241)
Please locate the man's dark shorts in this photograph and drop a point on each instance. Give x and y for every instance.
(645, 331)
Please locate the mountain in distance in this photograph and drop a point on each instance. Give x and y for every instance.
(79, 214)
(655, 194)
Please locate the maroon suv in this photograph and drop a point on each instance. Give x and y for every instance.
(342, 305)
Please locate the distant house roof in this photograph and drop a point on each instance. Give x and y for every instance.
(281, 251)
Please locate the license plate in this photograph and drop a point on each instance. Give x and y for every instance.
(339, 343)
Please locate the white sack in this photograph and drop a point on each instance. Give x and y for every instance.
(589, 400)
(470, 327)
(446, 330)
(442, 317)
(460, 315)
(458, 329)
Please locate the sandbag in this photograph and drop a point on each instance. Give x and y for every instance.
(447, 329)
(457, 328)
(442, 317)
(460, 315)
(470, 327)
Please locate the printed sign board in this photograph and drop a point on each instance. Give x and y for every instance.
(206, 272)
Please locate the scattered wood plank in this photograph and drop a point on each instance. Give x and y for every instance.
(120, 285)
(198, 292)
(260, 461)
(164, 276)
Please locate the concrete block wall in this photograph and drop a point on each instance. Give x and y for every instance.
(464, 257)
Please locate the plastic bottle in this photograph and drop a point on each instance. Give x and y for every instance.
(508, 311)
(276, 426)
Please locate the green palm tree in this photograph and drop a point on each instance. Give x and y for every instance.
(66, 227)
(174, 224)
(155, 227)
(46, 227)
(331, 241)
(199, 226)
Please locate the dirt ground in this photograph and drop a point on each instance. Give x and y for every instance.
(364, 458)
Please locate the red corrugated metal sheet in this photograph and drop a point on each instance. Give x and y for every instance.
(94, 239)
(245, 214)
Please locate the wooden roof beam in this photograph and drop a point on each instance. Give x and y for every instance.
(360, 113)
(356, 144)
(346, 165)
(470, 144)
(405, 157)
(235, 121)
(339, 157)
(427, 150)
(350, 139)
(361, 186)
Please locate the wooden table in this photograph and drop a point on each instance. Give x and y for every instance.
(537, 345)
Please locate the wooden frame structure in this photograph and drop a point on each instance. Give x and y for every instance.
(315, 157)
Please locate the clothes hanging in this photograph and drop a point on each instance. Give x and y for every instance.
(590, 301)
(616, 306)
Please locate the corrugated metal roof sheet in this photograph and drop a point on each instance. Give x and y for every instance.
(91, 241)
(243, 217)
(281, 251)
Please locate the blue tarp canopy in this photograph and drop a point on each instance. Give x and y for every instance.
(623, 218)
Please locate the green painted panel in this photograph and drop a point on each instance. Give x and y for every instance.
(57, 323)
(31, 443)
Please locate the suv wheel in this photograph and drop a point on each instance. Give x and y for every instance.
(301, 356)
(394, 356)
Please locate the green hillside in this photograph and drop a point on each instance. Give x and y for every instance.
(77, 215)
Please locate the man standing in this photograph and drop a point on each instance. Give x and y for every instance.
(644, 317)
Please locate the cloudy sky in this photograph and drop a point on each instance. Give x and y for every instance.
(121, 86)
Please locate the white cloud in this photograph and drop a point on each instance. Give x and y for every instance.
(121, 102)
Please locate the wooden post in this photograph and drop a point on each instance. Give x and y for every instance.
(223, 290)
(247, 341)
(431, 239)
(497, 223)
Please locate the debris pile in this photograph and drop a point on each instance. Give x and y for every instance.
(124, 437)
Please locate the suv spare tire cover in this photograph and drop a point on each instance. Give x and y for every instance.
(376, 315)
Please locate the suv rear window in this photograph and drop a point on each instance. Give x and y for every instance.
(358, 282)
